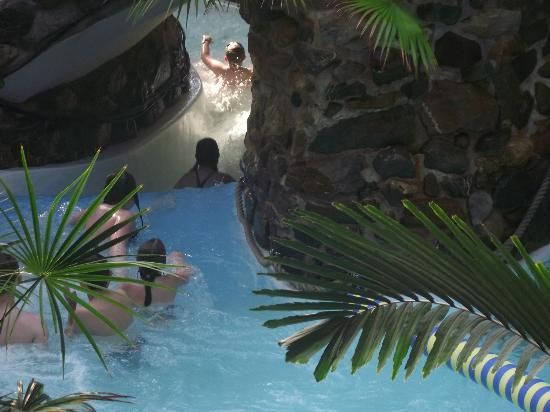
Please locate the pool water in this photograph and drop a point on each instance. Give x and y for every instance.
(209, 352)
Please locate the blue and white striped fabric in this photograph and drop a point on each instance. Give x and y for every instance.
(531, 397)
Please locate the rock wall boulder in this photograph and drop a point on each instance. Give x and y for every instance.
(107, 106)
(332, 121)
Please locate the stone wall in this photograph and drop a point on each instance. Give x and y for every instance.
(105, 107)
(331, 122)
(27, 27)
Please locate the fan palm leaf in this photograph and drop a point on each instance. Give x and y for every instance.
(391, 26)
(56, 255)
(393, 289)
(33, 399)
(387, 22)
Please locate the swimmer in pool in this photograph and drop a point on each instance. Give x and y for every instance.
(153, 250)
(232, 71)
(122, 319)
(16, 326)
(125, 184)
(205, 171)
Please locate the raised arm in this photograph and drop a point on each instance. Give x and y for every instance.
(179, 276)
(215, 65)
(76, 217)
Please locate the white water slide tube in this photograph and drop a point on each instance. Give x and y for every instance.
(82, 51)
(157, 157)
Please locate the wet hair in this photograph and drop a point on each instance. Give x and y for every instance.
(207, 153)
(9, 270)
(234, 51)
(124, 185)
(97, 285)
(152, 250)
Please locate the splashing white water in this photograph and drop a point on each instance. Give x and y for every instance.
(222, 112)
(224, 117)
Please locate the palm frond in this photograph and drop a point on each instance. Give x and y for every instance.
(395, 289)
(57, 260)
(391, 26)
(387, 22)
(33, 399)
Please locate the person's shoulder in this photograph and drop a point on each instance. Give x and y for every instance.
(226, 178)
(124, 213)
(131, 291)
(126, 288)
(122, 297)
(187, 180)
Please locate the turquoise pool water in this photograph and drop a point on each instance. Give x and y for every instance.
(210, 353)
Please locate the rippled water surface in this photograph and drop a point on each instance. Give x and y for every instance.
(209, 352)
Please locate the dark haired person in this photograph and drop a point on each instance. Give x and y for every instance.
(124, 185)
(153, 250)
(233, 72)
(121, 318)
(16, 326)
(205, 171)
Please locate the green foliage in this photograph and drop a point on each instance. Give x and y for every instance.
(390, 24)
(33, 399)
(57, 256)
(387, 22)
(391, 287)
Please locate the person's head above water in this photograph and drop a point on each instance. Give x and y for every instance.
(234, 53)
(9, 272)
(154, 251)
(124, 185)
(207, 153)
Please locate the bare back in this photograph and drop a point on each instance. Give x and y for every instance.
(203, 177)
(21, 327)
(120, 318)
(120, 216)
(237, 76)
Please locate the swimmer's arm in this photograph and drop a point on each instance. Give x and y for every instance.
(76, 217)
(227, 178)
(215, 65)
(181, 275)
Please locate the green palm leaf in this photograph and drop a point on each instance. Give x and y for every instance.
(396, 291)
(387, 22)
(33, 399)
(54, 258)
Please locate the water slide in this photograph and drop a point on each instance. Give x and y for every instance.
(158, 156)
(84, 48)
